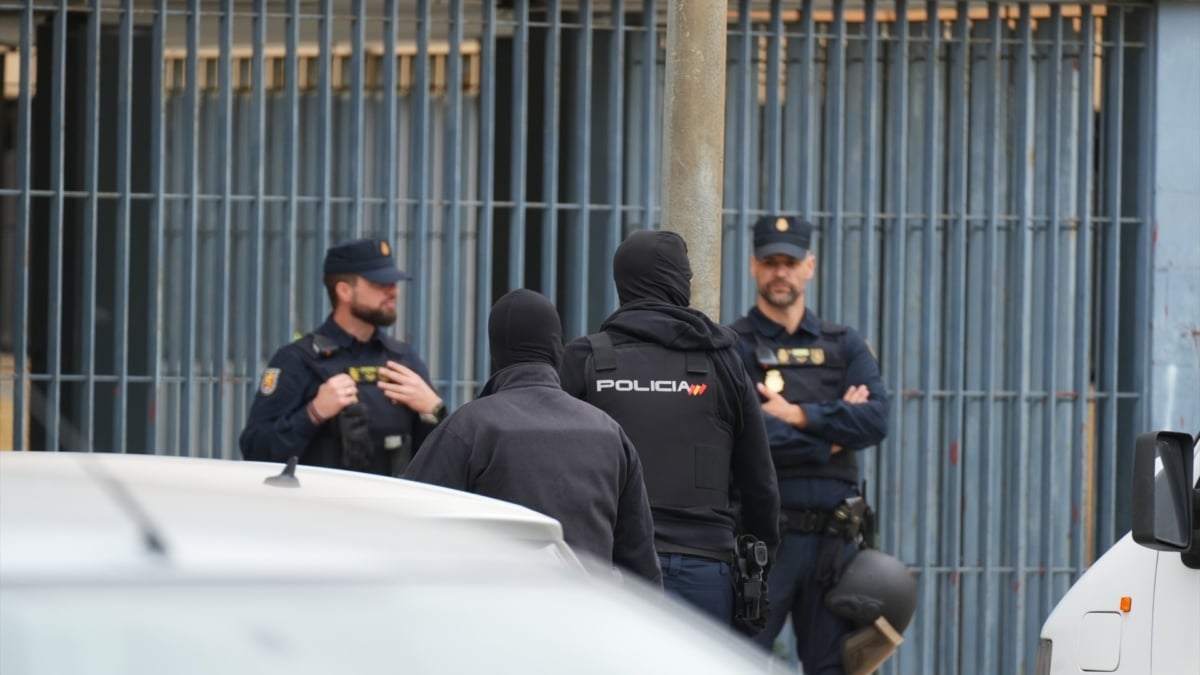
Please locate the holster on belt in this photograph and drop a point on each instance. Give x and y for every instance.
(844, 524)
(751, 610)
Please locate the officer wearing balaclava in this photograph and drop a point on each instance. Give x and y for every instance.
(671, 377)
(524, 440)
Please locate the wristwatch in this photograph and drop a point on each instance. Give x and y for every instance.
(436, 415)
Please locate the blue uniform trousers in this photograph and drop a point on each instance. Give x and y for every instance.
(701, 582)
(790, 588)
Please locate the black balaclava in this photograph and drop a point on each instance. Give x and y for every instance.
(524, 328)
(653, 265)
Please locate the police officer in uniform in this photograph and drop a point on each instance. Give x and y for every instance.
(672, 378)
(526, 441)
(823, 400)
(347, 395)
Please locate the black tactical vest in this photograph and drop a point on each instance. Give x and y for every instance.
(388, 425)
(666, 402)
(803, 375)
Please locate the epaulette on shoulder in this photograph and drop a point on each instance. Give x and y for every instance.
(314, 345)
(743, 326)
(393, 345)
(323, 345)
(830, 328)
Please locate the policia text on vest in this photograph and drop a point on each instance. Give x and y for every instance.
(667, 386)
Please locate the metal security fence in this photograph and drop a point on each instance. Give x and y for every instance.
(980, 190)
(171, 173)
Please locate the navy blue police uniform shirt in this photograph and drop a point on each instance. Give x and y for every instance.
(833, 422)
(278, 425)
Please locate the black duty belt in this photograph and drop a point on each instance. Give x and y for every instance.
(665, 548)
(809, 521)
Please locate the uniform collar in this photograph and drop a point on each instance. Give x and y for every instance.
(811, 324)
(340, 337)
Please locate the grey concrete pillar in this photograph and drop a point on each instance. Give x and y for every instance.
(694, 139)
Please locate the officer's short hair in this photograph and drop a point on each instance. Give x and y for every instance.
(331, 282)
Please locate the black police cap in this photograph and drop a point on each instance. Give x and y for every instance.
(785, 235)
(370, 259)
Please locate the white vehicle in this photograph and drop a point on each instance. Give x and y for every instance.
(1137, 608)
(131, 564)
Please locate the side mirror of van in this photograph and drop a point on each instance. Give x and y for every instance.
(1164, 498)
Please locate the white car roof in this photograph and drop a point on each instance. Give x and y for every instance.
(117, 511)
(132, 564)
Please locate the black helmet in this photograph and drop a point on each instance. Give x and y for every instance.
(874, 584)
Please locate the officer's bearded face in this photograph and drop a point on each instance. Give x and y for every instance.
(374, 303)
(782, 279)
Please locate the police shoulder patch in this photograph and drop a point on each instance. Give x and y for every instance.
(270, 380)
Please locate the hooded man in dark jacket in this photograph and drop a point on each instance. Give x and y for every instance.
(671, 377)
(525, 441)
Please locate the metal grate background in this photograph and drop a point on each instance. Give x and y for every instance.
(978, 173)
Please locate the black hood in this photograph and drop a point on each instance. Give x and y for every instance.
(653, 265)
(524, 328)
(654, 284)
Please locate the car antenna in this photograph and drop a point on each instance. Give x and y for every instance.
(150, 536)
(287, 477)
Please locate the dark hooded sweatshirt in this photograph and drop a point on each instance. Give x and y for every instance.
(653, 279)
(526, 441)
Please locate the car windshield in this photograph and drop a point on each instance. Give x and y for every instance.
(294, 628)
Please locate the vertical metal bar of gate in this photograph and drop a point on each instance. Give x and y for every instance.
(1049, 534)
(807, 91)
(550, 133)
(990, 509)
(577, 296)
(356, 160)
(1115, 114)
(124, 188)
(1083, 276)
(773, 134)
(452, 295)
(1019, 324)
(324, 237)
(190, 138)
(866, 319)
(892, 349)
(23, 166)
(225, 245)
(1143, 255)
(158, 159)
(616, 153)
(387, 148)
(91, 163)
(648, 120)
(258, 177)
(520, 122)
(419, 226)
(832, 230)
(929, 404)
(487, 161)
(53, 416)
(745, 105)
(955, 317)
(291, 245)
